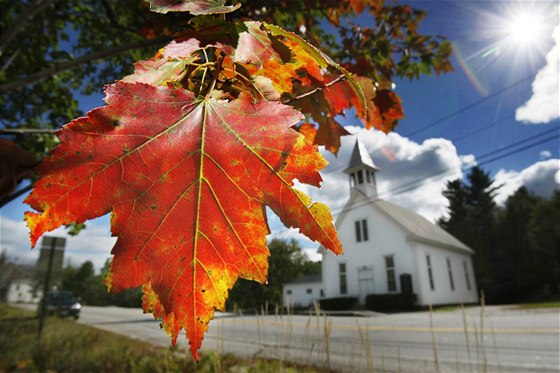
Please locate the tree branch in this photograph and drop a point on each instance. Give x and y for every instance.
(52, 71)
(15, 195)
(26, 131)
(113, 19)
(34, 8)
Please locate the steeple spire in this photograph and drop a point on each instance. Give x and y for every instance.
(361, 171)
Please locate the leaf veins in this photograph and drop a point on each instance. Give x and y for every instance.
(186, 180)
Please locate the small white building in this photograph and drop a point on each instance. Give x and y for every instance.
(23, 291)
(303, 291)
(391, 250)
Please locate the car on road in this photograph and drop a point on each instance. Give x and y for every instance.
(63, 304)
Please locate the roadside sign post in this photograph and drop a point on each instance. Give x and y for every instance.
(51, 244)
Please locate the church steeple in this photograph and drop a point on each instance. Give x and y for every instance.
(361, 171)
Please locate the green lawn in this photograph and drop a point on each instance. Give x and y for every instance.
(70, 347)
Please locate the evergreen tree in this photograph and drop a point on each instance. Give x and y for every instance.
(544, 239)
(517, 269)
(472, 219)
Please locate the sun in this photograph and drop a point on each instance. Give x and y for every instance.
(524, 28)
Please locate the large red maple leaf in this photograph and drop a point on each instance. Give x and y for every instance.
(187, 180)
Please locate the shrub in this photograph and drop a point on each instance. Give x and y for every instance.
(390, 302)
(337, 304)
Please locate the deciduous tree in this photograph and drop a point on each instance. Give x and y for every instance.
(286, 263)
(197, 140)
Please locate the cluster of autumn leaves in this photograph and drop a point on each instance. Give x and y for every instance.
(189, 150)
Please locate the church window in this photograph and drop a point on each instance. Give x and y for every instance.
(467, 278)
(361, 229)
(368, 178)
(450, 272)
(342, 277)
(360, 177)
(430, 274)
(391, 277)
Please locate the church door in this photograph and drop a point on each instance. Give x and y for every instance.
(366, 284)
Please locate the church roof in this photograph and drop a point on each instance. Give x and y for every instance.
(419, 228)
(306, 279)
(360, 157)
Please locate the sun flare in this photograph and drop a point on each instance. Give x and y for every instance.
(524, 28)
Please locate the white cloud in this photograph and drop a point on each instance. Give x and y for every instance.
(94, 243)
(545, 154)
(312, 254)
(411, 175)
(541, 179)
(543, 106)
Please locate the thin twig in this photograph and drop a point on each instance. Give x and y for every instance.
(113, 19)
(15, 195)
(68, 65)
(331, 83)
(10, 60)
(27, 131)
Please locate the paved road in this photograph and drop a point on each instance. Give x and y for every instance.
(503, 340)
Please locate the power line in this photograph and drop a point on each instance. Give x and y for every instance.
(470, 106)
(455, 113)
(409, 186)
(478, 130)
(414, 184)
(482, 128)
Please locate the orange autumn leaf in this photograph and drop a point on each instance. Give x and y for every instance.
(197, 7)
(187, 180)
(383, 109)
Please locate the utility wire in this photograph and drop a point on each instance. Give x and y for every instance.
(470, 106)
(406, 187)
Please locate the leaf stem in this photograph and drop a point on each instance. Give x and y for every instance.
(216, 74)
(306, 94)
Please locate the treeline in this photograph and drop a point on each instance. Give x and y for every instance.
(517, 246)
(286, 262)
(84, 283)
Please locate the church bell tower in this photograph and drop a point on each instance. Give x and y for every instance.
(361, 171)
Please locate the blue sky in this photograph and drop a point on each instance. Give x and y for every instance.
(499, 109)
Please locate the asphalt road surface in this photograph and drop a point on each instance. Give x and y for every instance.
(502, 340)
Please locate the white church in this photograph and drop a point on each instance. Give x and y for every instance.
(387, 250)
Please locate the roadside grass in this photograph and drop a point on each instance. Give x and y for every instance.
(522, 306)
(530, 306)
(70, 347)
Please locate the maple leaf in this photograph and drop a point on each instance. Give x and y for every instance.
(322, 60)
(186, 179)
(383, 107)
(196, 7)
